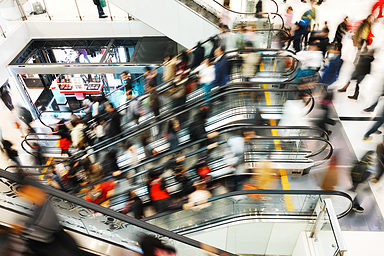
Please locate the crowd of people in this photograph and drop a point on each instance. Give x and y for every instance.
(320, 65)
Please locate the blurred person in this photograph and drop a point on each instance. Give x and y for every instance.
(170, 63)
(134, 205)
(380, 162)
(321, 38)
(251, 61)
(222, 68)
(77, 134)
(84, 53)
(215, 44)
(311, 61)
(171, 136)
(145, 142)
(227, 38)
(25, 116)
(203, 170)
(43, 231)
(206, 74)
(100, 9)
(87, 104)
(363, 36)
(157, 191)
(234, 156)
(363, 68)
(182, 63)
(198, 200)
(375, 127)
(130, 157)
(150, 76)
(10, 151)
(332, 66)
(134, 107)
(179, 98)
(113, 127)
(109, 165)
(240, 37)
(181, 177)
(6, 96)
(101, 192)
(127, 80)
(259, 9)
(324, 119)
(225, 18)
(155, 104)
(288, 16)
(360, 173)
(197, 126)
(331, 175)
(341, 31)
(378, 5)
(294, 113)
(197, 56)
(152, 246)
(303, 27)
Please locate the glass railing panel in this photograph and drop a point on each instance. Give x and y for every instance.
(59, 10)
(90, 222)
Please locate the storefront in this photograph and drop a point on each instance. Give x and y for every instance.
(56, 75)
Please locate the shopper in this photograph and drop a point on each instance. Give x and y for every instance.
(206, 75)
(171, 136)
(197, 56)
(42, 231)
(134, 205)
(77, 134)
(134, 107)
(360, 173)
(288, 16)
(127, 80)
(152, 246)
(99, 6)
(113, 127)
(157, 192)
(251, 61)
(363, 36)
(11, 152)
(169, 64)
(221, 67)
(375, 126)
(332, 66)
(150, 77)
(341, 31)
(84, 53)
(380, 162)
(6, 96)
(363, 68)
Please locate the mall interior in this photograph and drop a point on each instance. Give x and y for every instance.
(191, 127)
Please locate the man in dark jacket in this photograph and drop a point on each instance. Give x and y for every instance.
(113, 126)
(340, 33)
(363, 68)
(221, 67)
(100, 9)
(198, 56)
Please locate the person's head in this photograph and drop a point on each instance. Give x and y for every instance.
(109, 107)
(346, 19)
(289, 9)
(371, 18)
(147, 69)
(173, 126)
(200, 185)
(248, 45)
(128, 144)
(184, 56)
(125, 75)
(219, 51)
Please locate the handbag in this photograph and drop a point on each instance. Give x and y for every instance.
(103, 3)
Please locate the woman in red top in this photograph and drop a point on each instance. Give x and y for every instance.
(157, 192)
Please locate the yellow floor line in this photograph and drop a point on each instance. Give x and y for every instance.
(272, 122)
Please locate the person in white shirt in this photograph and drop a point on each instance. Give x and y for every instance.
(206, 73)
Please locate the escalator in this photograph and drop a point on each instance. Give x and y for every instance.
(244, 104)
(232, 215)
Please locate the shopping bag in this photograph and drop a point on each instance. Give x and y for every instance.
(103, 3)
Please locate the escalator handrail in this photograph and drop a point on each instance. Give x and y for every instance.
(225, 129)
(144, 126)
(270, 192)
(108, 212)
